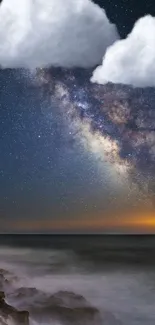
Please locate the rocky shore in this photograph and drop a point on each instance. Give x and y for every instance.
(9, 312)
(66, 307)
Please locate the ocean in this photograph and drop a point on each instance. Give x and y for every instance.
(51, 274)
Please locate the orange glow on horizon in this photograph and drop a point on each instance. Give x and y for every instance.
(128, 222)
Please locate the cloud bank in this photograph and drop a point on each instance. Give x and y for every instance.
(131, 61)
(42, 33)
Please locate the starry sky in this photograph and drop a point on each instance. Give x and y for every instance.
(75, 156)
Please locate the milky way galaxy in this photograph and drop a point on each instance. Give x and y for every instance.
(115, 122)
(77, 113)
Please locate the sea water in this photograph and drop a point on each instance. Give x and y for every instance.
(114, 274)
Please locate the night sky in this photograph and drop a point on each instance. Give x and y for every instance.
(60, 170)
(124, 13)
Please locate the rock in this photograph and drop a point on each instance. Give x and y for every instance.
(7, 280)
(78, 316)
(2, 296)
(70, 299)
(3, 282)
(68, 316)
(63, 306)
(25, 298)
(3, 321)
(68, 308)
(4, 272)
(19, 317)
(24, 292)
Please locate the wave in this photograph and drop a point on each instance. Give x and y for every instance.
(52, 282)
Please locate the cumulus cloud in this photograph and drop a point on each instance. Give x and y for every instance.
(41, 33)
(131, 61)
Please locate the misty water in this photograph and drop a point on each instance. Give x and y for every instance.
(114, 274)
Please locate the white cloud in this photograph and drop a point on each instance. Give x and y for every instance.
(39, 33)
(131, 61)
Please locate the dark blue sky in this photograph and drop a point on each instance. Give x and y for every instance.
(124, 13)
(45, 172)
